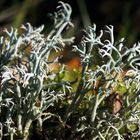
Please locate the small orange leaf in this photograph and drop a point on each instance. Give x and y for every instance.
(74, 63)
(117, 103)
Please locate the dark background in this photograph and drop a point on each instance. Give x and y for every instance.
(124, 15)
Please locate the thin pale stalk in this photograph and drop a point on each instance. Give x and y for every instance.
(97, 102)
(26, 129)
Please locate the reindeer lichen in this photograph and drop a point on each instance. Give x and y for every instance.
(106, 102)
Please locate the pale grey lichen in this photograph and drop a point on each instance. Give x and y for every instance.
(29, 87)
